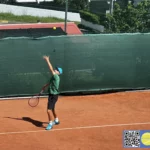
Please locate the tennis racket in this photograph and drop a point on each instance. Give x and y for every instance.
(34, 100)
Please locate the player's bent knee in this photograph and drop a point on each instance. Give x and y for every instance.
(49, 110)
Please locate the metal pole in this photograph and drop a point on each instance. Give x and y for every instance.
(111, 7)
(66, 16)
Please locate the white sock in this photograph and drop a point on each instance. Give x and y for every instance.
(51, 122)
(56, 119)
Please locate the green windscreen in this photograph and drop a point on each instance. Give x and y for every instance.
(89, 62)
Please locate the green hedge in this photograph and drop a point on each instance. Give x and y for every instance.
(90, 17)
(26, 18)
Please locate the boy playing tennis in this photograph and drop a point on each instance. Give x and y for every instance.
(53, 94)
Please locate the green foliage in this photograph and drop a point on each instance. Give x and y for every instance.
(129, 19)
(79, 4)
(60, 2)
(74, 4)
(90, 17)
(25, 18)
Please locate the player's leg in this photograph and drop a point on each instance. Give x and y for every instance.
(56, 121)
(49, 112)
(54, 113)
(50, 115)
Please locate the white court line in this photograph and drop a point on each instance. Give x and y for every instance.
(75, 128)
(15, 98)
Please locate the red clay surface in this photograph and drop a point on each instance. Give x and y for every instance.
(72, 28)
(78, 111)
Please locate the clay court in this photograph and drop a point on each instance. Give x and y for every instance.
(87, 122)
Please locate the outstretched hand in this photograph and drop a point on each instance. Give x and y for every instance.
(46, 57)
(49, 64)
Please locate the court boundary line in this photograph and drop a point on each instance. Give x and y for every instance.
(75, 128)
(15, 98)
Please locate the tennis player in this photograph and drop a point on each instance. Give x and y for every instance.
(53, 94)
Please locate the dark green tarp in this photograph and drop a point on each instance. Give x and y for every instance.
(90, 63)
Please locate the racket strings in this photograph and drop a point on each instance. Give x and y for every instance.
(34, 101)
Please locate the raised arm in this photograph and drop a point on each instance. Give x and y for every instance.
(49, 64)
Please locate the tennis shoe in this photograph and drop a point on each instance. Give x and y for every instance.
(49, 127)
(56, 122)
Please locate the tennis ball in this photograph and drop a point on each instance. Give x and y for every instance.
(146, 139)
(54, 28)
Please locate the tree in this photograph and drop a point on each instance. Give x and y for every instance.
(79, 4)
(74, 4)
(60, 2)
(129, 19)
